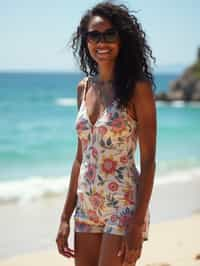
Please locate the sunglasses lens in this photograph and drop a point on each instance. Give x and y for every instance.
(109, 36)
(93, 36)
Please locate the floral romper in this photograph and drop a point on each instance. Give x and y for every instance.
(108, 179)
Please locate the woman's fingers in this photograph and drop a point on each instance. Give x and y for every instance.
(71, 250)
(63, 247)
(131, 256)
(68, 251)
(122, 249)
(59, 243)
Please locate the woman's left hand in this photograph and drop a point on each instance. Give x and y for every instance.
(131, 247)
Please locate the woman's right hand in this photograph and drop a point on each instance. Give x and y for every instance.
(62, 240)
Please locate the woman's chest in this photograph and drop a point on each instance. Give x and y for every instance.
(114, 126)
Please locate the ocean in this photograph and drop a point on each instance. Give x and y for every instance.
(38, 137)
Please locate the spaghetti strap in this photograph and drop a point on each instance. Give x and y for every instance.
(85, 87)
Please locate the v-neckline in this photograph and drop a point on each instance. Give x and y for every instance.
(101, 116)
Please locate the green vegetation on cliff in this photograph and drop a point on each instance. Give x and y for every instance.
(195, 69)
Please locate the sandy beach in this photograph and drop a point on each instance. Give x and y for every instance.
(28, 230)
(31, 226)
(171, 243)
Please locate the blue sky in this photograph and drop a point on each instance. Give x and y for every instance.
(33, 33)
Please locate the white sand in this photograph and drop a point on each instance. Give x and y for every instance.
(32, 226)
(171, 243)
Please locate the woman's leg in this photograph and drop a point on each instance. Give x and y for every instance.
(87, 248)
(110, 246)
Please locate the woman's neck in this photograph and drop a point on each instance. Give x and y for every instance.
(106, 73)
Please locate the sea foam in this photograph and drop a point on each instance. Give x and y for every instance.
(36, 187)
(66, 101)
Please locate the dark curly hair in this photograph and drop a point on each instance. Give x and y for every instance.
(134, 60)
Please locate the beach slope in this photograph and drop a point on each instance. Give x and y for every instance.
(171, 243)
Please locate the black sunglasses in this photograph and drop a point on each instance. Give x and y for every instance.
(111, 35)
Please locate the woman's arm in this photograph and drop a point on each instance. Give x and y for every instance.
(71, 195)
(145, 108)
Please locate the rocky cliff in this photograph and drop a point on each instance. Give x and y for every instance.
(187, 87)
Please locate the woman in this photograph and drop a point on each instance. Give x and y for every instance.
(116, 107)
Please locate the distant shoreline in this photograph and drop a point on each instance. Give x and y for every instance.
(21, 71)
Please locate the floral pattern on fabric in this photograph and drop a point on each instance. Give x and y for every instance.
(108, 179)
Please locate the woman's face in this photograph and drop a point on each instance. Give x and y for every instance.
(102, 50)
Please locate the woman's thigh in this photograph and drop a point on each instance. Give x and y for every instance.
(110, 246)
(87, 248)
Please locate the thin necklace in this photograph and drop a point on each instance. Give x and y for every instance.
(105, 90)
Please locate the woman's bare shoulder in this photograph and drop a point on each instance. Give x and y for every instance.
(80, 89)
(142, 92)
(143, 88)
(144, 102)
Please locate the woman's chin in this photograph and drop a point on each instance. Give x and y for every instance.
(104, 59)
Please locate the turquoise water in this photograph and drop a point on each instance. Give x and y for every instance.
(38, 138)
